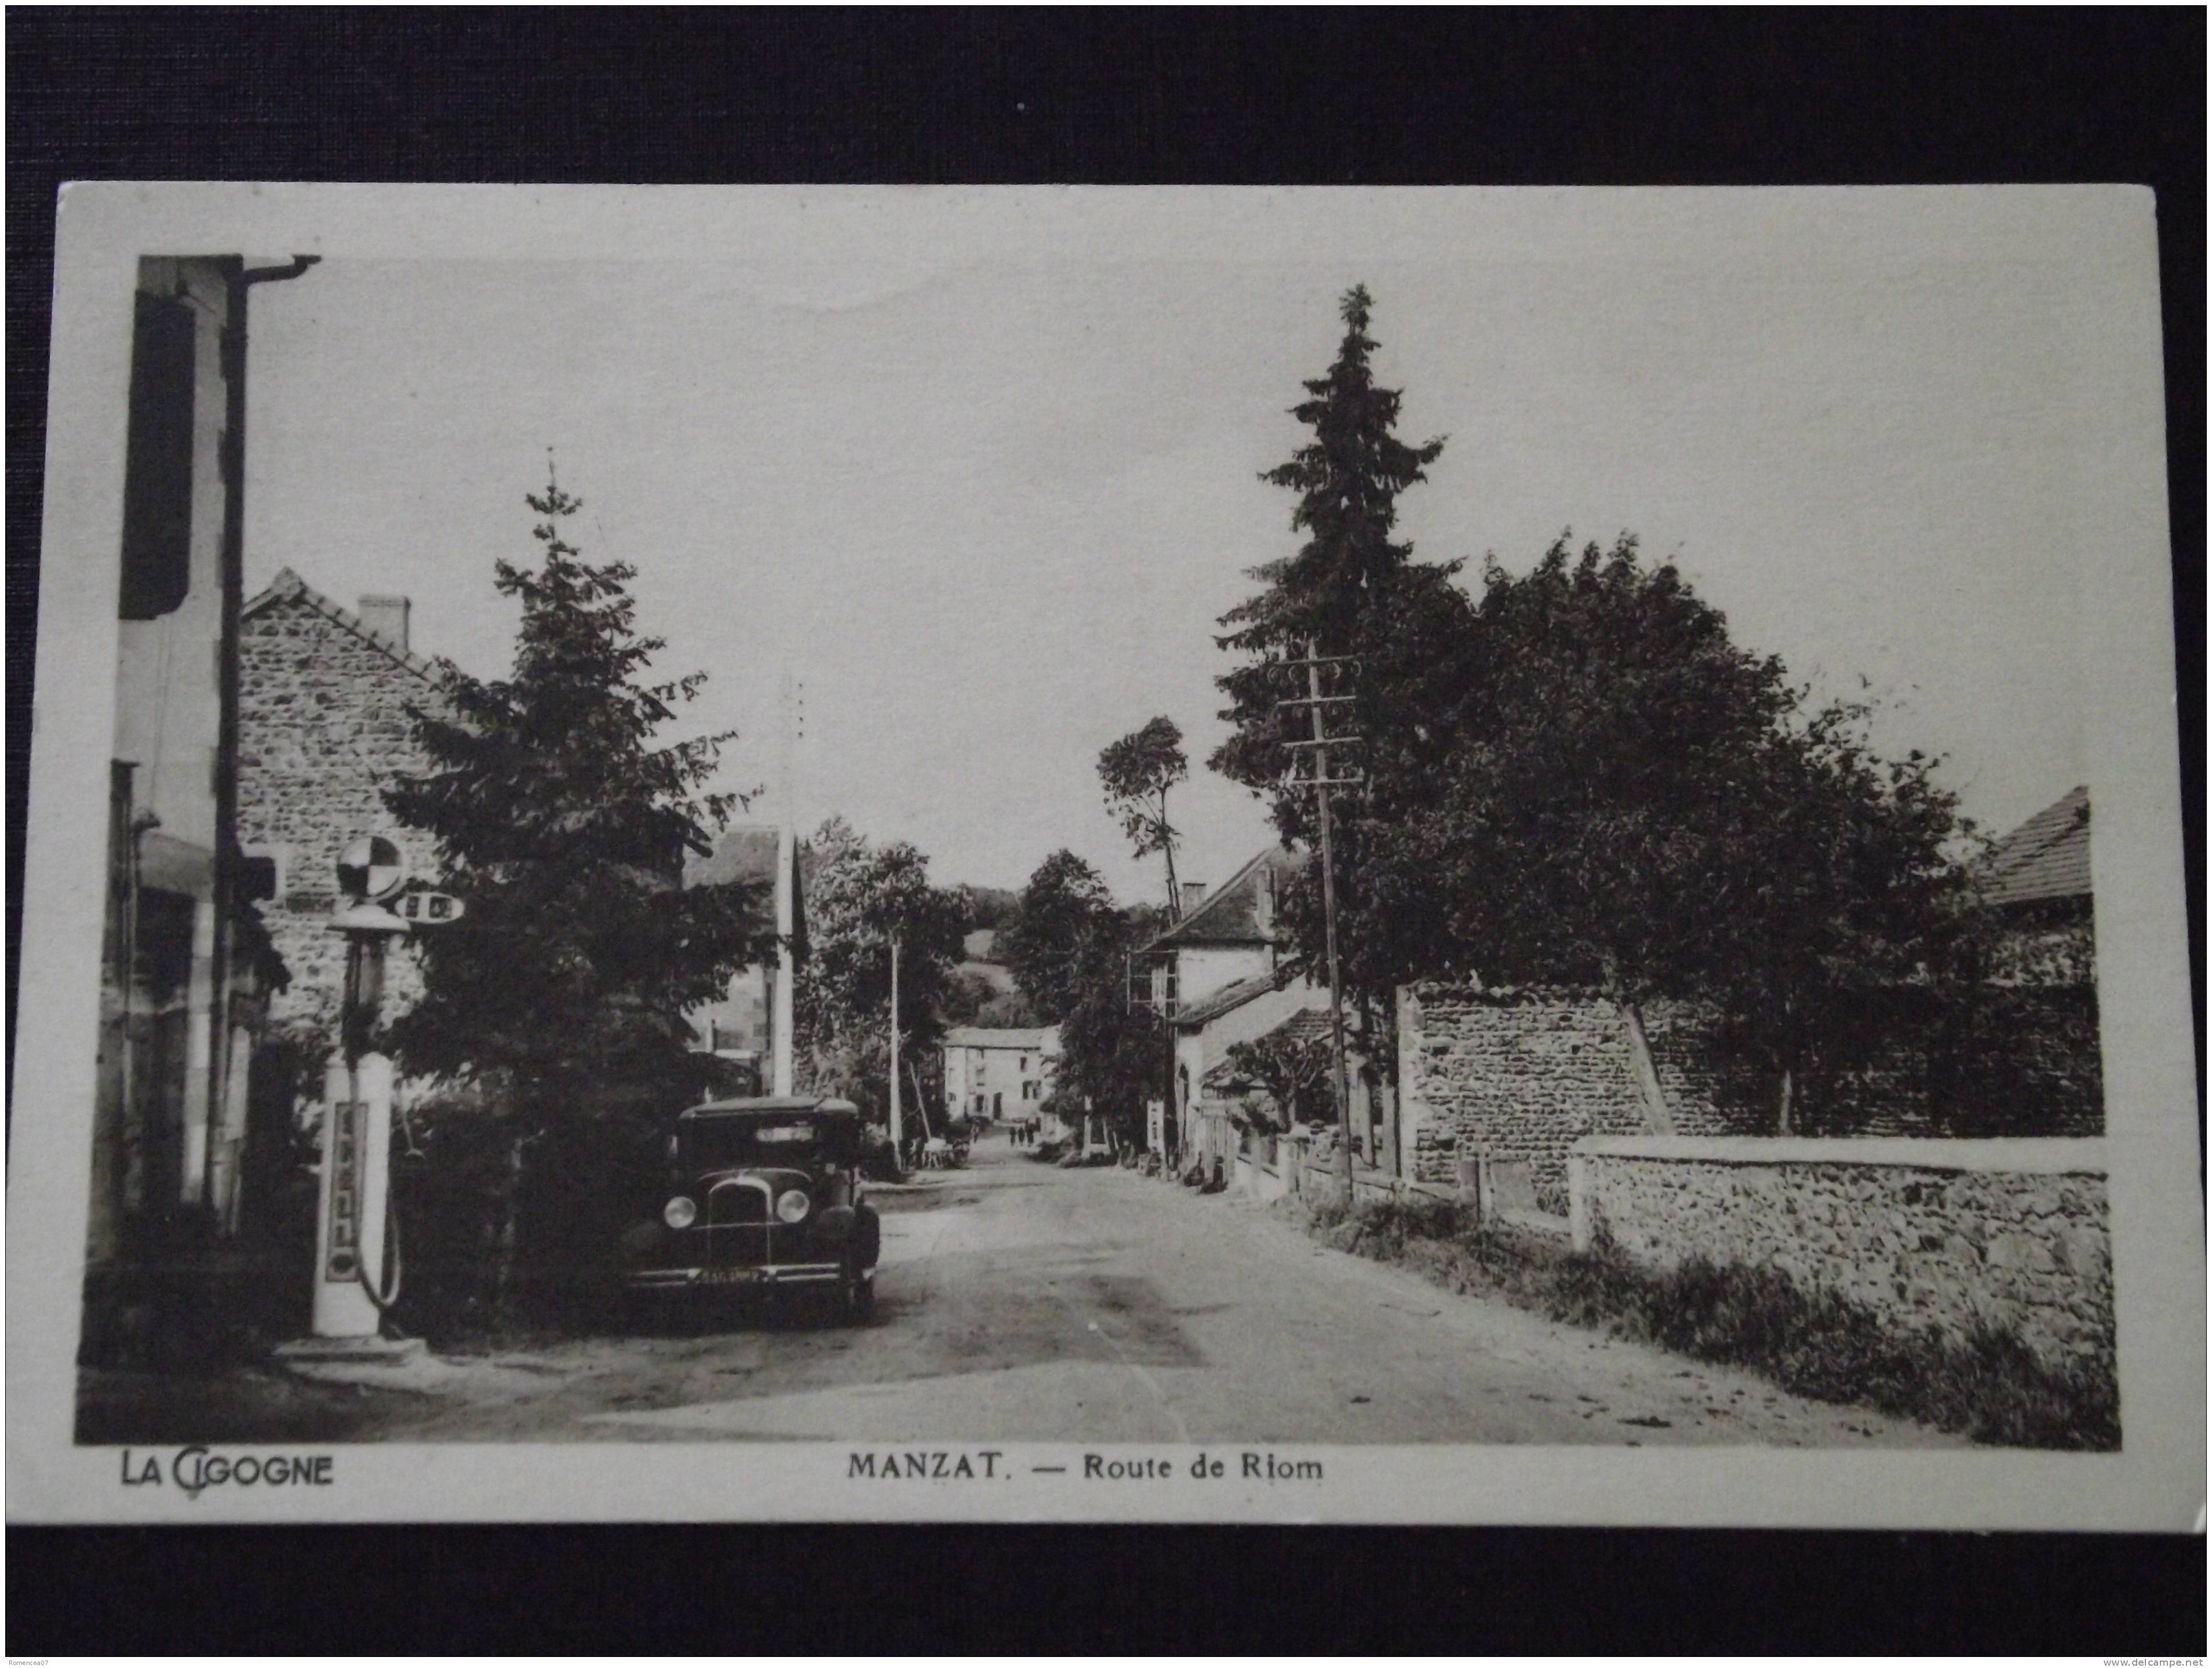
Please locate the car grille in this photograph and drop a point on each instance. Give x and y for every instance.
(737, 1221)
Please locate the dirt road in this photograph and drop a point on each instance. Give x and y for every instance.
(1018, 1301)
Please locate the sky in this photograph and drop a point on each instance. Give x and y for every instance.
(989, 505)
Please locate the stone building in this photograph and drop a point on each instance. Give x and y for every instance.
(324, 694)
(1220, 966)
(2033, 1040)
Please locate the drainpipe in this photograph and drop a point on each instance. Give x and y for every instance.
(232, 454)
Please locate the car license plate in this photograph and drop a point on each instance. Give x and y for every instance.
(733, 1277)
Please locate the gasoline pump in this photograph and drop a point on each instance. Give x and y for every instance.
(353, 1217)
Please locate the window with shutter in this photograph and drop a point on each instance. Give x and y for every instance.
(157, 480)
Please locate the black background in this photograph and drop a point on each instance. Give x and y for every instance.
(1306, 97)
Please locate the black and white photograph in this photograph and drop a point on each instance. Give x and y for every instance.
(1097, 854)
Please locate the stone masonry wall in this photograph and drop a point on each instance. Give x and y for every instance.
(323, 726)
(1519, 1075)
(1522, 1074)
(1941, 1234)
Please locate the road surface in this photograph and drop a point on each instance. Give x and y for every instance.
(1021, 1302)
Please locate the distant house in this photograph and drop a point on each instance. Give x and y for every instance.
(2032, 1059)
(1228, 964)
(1001, 1074)
(2036, 881)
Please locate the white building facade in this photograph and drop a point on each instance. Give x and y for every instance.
(1001, 1074)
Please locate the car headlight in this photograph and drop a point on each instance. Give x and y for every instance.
(793, 1206)
(679, 1212)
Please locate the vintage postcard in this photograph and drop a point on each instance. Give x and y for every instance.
(1309, 855)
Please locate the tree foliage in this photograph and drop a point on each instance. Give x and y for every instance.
(1069, 947)
(1137, 772)
(1637, 803)
(1351, 589)
(1112, 1058)
(1065, 910)
(1294, 1072)
(561, 821)
(860, 897)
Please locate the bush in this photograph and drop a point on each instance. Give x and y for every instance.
(458, 1192)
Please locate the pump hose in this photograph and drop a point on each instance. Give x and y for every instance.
(383, 1301)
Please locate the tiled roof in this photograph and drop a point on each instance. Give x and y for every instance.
(1231, 997)
(2046, 856)
(288, 587)
(1236, 913)
(1307, 1024)
(1043, 1039)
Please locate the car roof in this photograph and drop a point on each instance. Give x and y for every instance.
(774, 1105)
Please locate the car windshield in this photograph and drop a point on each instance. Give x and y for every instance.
(800, 1142)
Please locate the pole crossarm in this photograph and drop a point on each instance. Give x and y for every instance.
(1330, 742)
(1320, 742)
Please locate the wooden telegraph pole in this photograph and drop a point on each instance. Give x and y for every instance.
(1321, 782)
(898, 1146)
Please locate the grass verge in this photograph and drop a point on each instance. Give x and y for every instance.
(1987, 1385)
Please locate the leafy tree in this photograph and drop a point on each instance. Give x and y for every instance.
(1069, 947)
(971, 998)
(1633, 802)
(1577, 776)
(1295, 1072)
(1112, 1059)
(991, 907)
(861, 897)
(1850, 894)
(1137, 772)
(1064, 910)
(561, 820)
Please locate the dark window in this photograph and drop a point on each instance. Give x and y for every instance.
(257, 878)
(157, 479)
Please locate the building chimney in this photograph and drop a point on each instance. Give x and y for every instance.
(1194, 894)
(386, 617)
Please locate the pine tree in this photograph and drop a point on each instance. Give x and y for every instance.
(1351, 589)
(561, 823)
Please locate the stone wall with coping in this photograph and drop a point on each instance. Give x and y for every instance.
(2011, 1233)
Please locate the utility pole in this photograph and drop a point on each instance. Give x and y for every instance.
(896, 1146)
(1321, 782)
(782, 1023)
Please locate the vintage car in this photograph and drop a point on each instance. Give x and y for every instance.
(764, 1193)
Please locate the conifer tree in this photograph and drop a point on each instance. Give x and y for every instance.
(561, 822)
(1351, 589)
